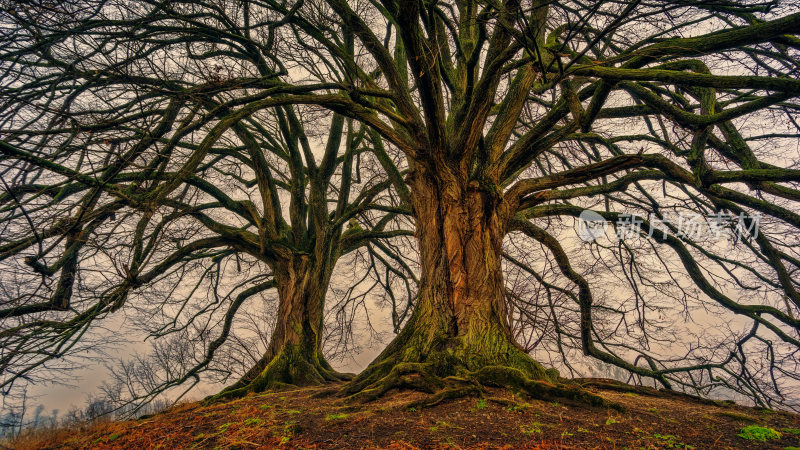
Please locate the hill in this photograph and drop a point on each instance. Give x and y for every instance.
(304, 418)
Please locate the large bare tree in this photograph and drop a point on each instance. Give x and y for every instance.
(153, 166)
(513, 114)
(513, 118)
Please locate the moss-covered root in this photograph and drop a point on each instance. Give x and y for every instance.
(455, 388)
(514, 379)
(423, 377)
(288, 369)
(415, 376)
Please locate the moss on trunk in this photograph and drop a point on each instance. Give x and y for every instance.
(294, 356)
(459, 338)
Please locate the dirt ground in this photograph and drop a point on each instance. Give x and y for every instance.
(300, 419)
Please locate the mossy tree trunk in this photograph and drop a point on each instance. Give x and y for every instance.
(294, 355)
(460, 324)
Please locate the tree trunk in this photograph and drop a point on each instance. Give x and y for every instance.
(460, 323)
(294, 355)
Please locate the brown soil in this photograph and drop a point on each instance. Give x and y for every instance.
(298, 419)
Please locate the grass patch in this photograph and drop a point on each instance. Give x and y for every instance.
(253, 421)
(482, 404)
(519, 407)
(535, 427)
(758, 433)
(671, 441)
(441, 425)
(611, 421)
(336, 416)
(289, 430)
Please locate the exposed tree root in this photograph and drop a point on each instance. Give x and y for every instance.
(290, 368)
(614, 385)
(446, 394)
(423, 377)
(514, 379)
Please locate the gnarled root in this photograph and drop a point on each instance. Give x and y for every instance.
(514, 379)
(423, 377)
(288, 369)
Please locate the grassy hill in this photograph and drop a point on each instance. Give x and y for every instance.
(304, 419)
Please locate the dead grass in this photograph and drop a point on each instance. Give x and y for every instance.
(298, 419)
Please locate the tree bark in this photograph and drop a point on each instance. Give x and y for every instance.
(294, 355)
(460, 324)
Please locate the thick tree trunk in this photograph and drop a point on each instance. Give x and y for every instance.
(294, 355)
(460, 324)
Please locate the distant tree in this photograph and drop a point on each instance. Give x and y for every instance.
(13, 408)
(153, 165)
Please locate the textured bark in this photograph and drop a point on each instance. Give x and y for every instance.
(460, 324)
(294, 355)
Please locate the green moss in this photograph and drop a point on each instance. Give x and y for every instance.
(336, 416)
(758, 433)
(671, 441)
(535, 427)
(519, 407)
(294, 365)
(253, 421)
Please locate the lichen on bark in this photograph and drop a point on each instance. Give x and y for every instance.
(458, 341)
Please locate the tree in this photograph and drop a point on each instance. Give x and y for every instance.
(153, 166)
(512, 119)
(505, 113)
